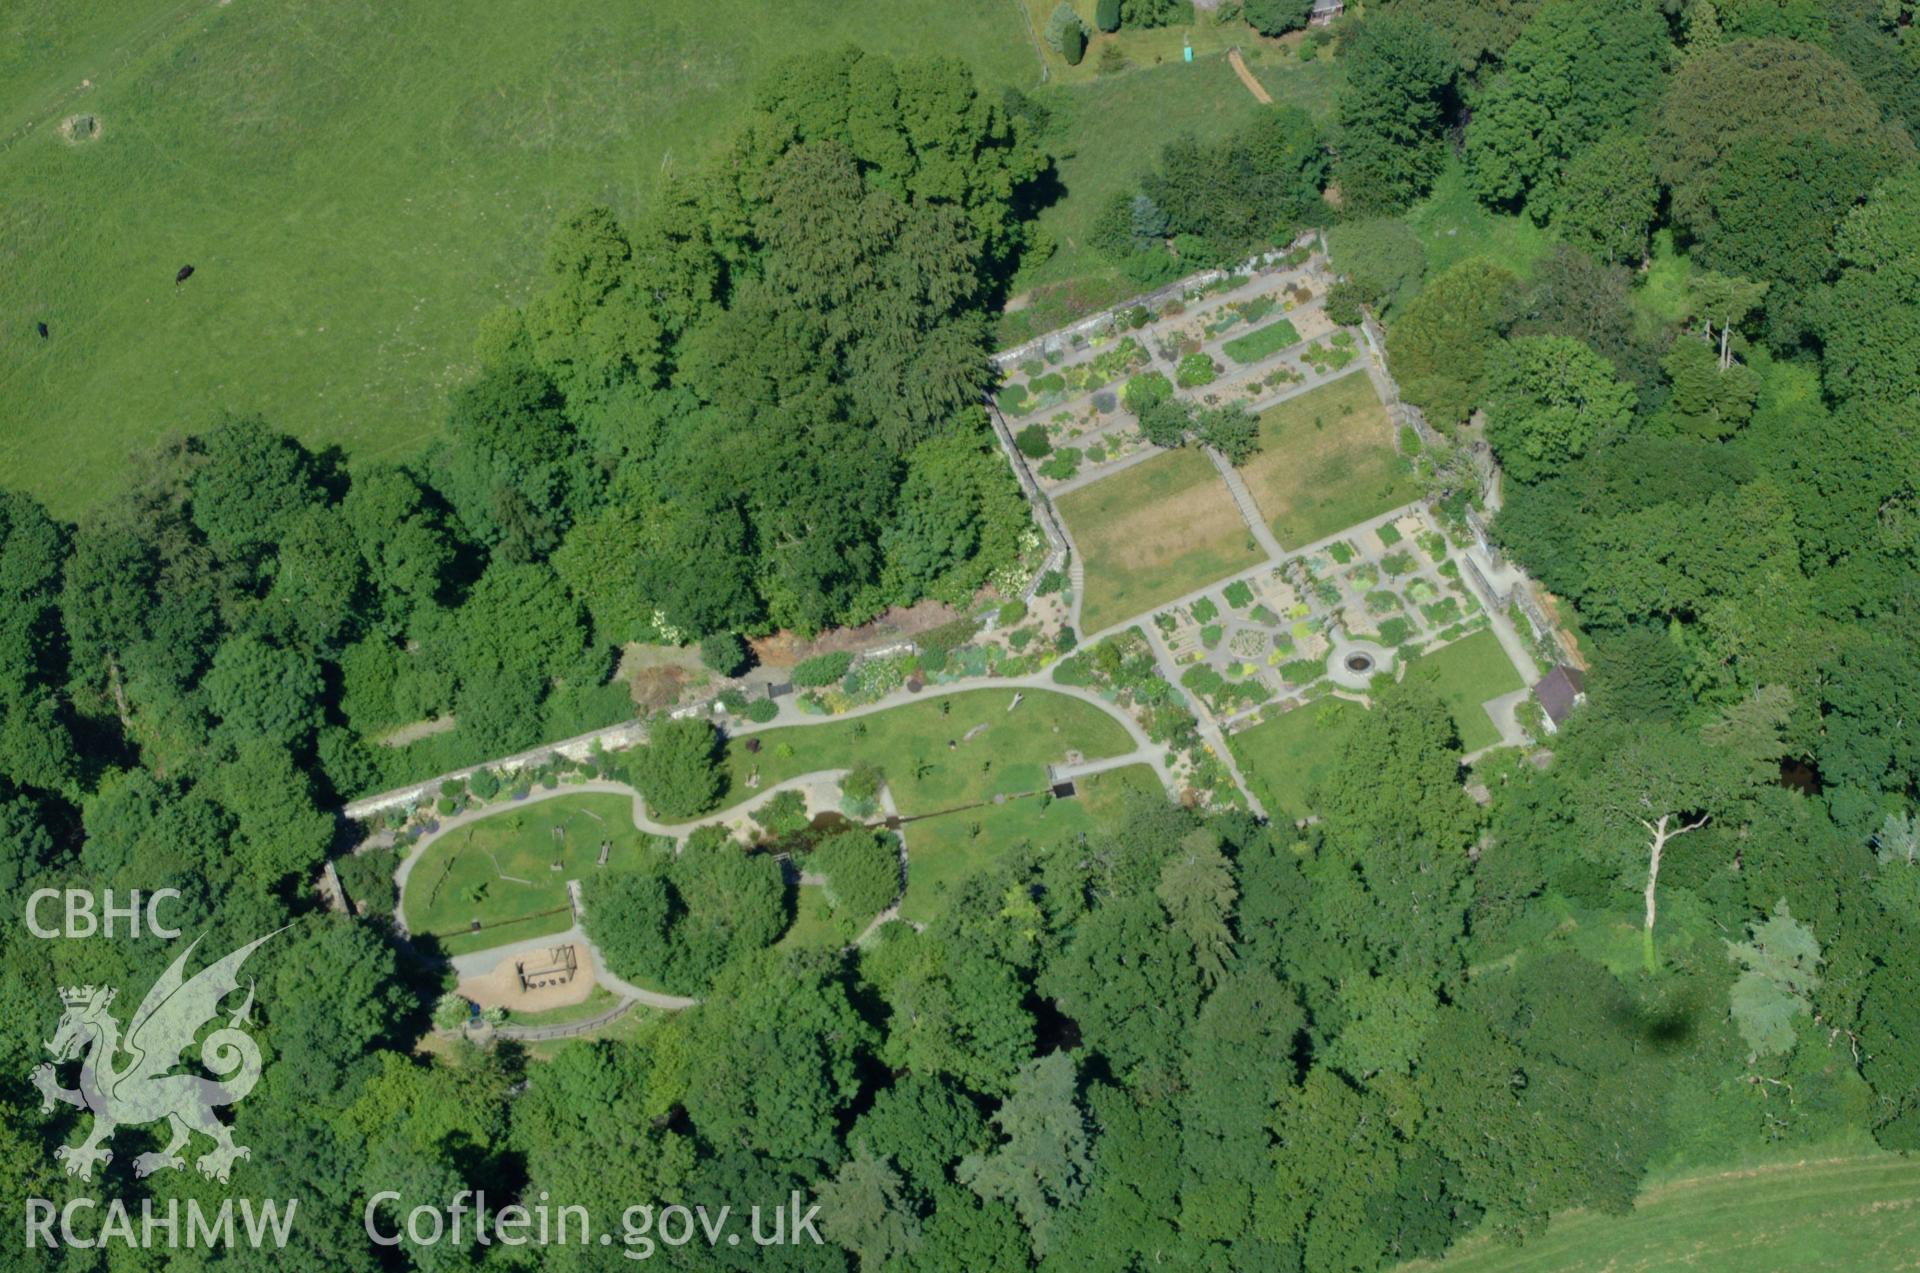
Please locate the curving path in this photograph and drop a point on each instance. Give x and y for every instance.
(475, 963)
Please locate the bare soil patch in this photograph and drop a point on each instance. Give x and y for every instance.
(784, 648)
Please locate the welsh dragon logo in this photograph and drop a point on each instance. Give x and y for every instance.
(128, 1081)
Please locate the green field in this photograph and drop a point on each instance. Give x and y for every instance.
(500, 870)
(1326, 462)
(1262, 343)
(943, 851)
(356, 185)
(1153, 532)
(909, 743)
(1107, 135)
(1467, 674)
(1860, 1211)
(1285, 755)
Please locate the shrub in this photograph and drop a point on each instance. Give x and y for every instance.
(368, 879)
(1051, 582)
(1073, 43)
(1239, 594)
(1106, 16)
(822, 669)
(1033, 441)
(1277, 17)
(1397, 563)
(1065, 640)
(1146, 390)
(1012, 612)
(947, 637)
(784, 814)
(1063, 21)
(862, 870)
(1205, 611)
(724, 652)
(677, 769)
(485, 784)
(1389, 534)
(1062, 464)
(863, 781)
(762, 710)
(1344, 300)
(1013, 400)
(1395, 631)
(732, 702)
(451, 1012)
(1195, 370)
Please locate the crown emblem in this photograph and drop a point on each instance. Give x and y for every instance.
(79, 996)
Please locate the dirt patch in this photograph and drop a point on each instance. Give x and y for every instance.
(500, 988)
(784, 649)
(657, 675)
(77, 130)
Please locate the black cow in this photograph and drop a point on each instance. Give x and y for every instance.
(186, 272)
(42, 329)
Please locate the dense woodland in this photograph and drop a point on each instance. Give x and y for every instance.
(1205, 1042)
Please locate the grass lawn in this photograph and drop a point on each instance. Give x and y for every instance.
(1259, 344)
(814, 926)
(1326, 462)
(1148, 47)
(1108, 134)
(1153, 532)
(500, 870)
(1467, 674)
(1284, 756)
(1010, 754)
(1453, 225)
(598, 1000)
(357, 184)
(943, 851)
(1856, 1211)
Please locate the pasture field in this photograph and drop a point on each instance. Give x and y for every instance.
(1153, 532)
(944, 851)
(1107, 134)
(1326, 462)
(1467, 674)
(1008, 753)
(1285, 755)
(501, 871)
(356, 184)
(1857, 1211)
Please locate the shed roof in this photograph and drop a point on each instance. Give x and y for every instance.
(1560, 691)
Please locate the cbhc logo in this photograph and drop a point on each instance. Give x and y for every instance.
(82, 921)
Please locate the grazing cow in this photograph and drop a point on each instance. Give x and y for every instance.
(42, 328)
(186, 272)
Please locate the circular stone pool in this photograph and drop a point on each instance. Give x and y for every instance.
(1353, 664)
